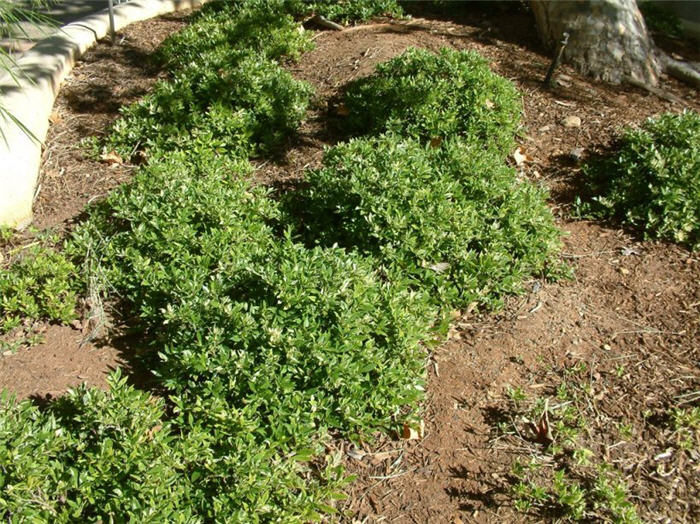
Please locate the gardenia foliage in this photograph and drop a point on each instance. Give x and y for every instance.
(271, 324)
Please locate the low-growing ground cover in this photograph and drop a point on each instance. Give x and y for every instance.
(454, 219)
(650, 180)
(264, 345)
(453, 471)
(429, 97)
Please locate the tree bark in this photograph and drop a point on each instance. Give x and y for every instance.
(608, 39)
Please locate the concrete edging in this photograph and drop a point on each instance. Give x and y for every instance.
(42, 70)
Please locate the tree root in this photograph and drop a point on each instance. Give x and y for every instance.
(324, 22)
(656, 91)
(682, 71)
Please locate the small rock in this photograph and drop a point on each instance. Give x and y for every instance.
(572, 121)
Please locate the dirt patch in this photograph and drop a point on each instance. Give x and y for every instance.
(631, 319)
(106, 78)
(630, 314)
(63, 361)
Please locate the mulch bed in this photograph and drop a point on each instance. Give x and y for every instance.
(631, 312)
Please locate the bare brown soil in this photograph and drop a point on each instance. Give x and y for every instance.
(631, 313)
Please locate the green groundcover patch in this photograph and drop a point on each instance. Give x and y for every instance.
(436, 97)
(271, 325)
(454, 220)
(652, 181)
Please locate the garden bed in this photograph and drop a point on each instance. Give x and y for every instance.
(626, 326)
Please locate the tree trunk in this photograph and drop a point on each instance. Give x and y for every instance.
(608, 39)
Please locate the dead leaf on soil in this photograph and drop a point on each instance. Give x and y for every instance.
(627, 251)
(54, 117)
(355, 453)
(413, 430)
(489, 104)
(435, 142)
(342, 110)
(520, 157)
(572, 121)
(111, 158)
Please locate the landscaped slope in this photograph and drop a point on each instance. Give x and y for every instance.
(265, 343)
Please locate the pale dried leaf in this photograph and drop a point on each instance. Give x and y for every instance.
(111, 158)
(413, 430)
(54, 117)
(440, 267)
(355, 453)
(521, 157)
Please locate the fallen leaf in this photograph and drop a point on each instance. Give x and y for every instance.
(489, 104)
(54, 117)
(440, 267)
(111, 158)
(435, 142)
(413, 431)
(576, 153)
(355, 453)
(627, 251)
(572, 121)
(342, 110)
(155, 429)
(521, 157)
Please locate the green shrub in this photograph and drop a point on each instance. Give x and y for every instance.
(39, 285)
(351, 10)
(339, 10)
(242, 318)
(309, 341)
(246, 109)
(115, 456)
(424, 95)
(91, 455)
(264, 346)
(181, 220)
(653, 181)
(454, 218)
(217, 36)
